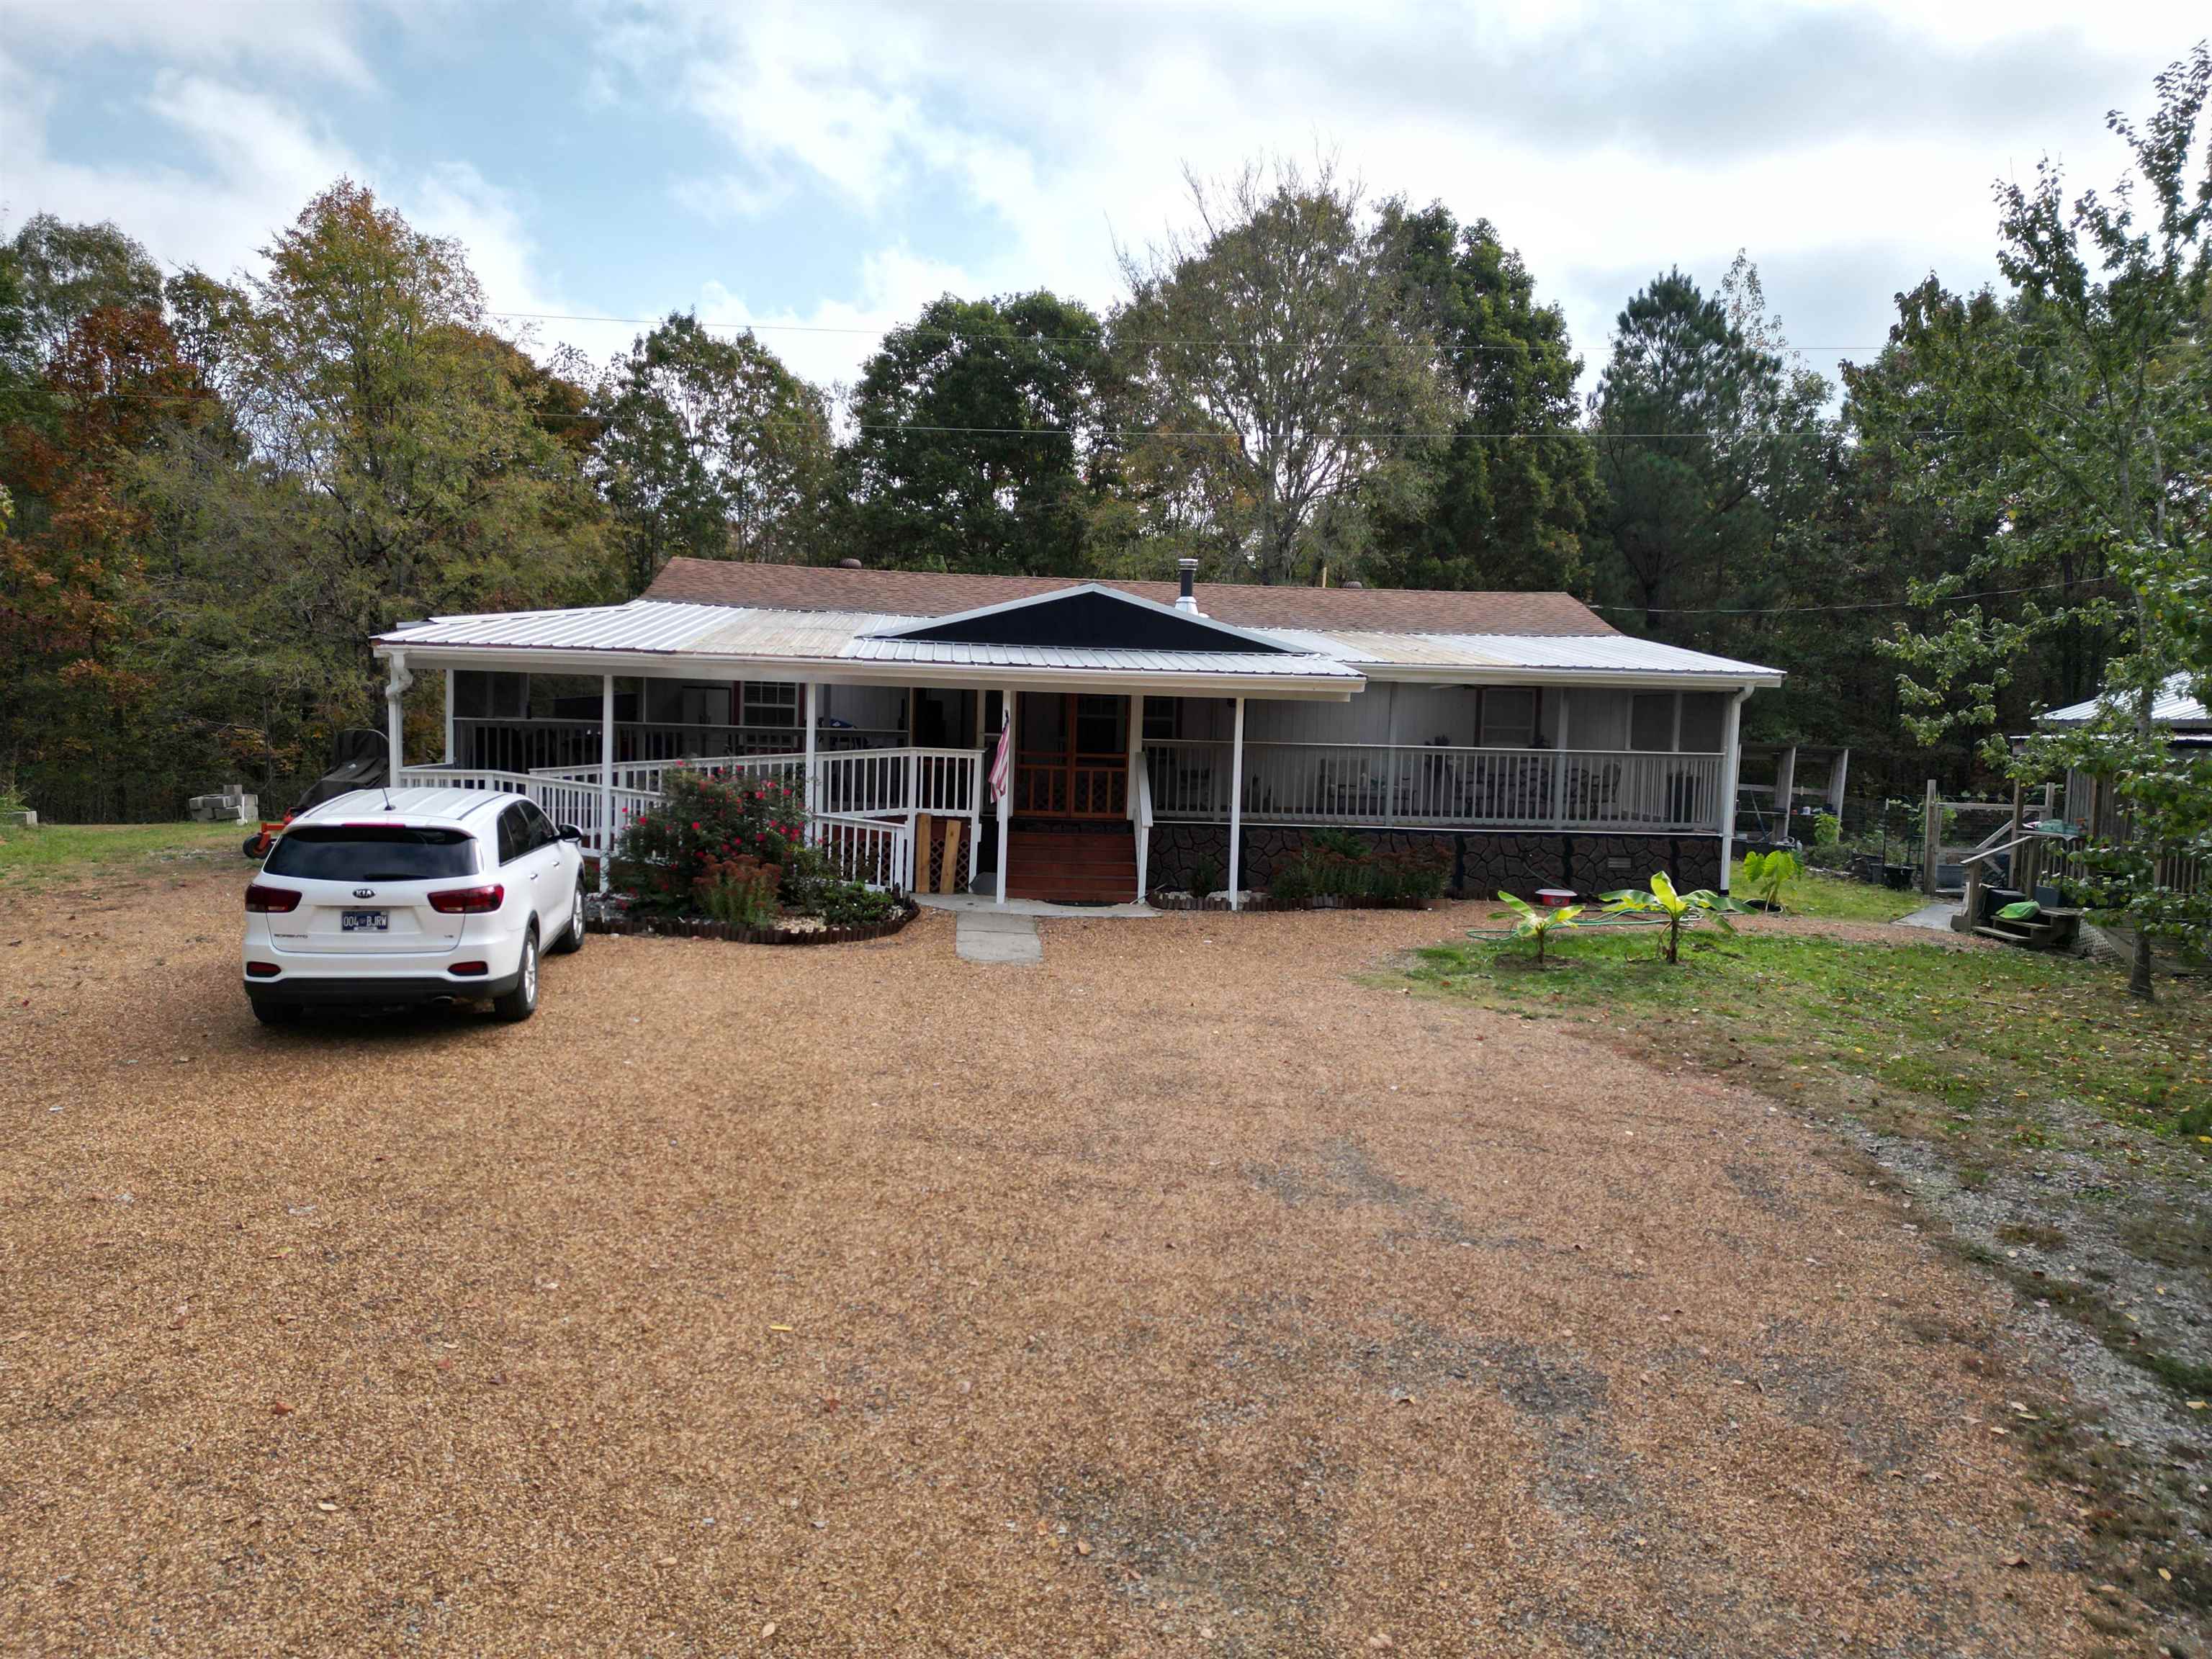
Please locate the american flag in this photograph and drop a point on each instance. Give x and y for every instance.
(1002, 761)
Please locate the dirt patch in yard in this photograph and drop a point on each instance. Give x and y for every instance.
(1180, 1296)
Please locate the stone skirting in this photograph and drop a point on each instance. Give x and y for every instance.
(1484, 862)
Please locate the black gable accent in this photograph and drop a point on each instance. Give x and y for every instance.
(1089, 618)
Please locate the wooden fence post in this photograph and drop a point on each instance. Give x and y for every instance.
(1931, 841)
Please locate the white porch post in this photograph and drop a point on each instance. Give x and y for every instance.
(1006, 795)
(1785, 785)
(449, 717)
(1731, 758)
(606, 777)
(975, 799)
(1558, 764)
(396, 681)
(1236, 808)
(808, 712)
(1838, 772)
(1390, 748)
(1136, 701)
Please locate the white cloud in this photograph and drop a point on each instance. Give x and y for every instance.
(1600, 139)
(828, 343)
(314, 35)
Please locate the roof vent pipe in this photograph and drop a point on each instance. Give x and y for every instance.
(1187, 569)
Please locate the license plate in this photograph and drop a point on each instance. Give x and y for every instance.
(365, 922)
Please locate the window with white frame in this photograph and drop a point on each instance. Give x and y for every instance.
(1509, 717)
(768, 703)
(1163, 719)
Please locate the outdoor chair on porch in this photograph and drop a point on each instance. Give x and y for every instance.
(1594, 793)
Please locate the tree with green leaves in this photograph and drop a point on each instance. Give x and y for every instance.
(1274, 377)
(1706, 446)
(708, 447)
(1510, 489)
(386, 456)
(2080, 429)
(974, 428)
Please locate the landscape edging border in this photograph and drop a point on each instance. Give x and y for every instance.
(647, 926)
(1268, 902)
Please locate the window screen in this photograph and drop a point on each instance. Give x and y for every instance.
(1509, 717)
(1704, 715)
(1651, 722)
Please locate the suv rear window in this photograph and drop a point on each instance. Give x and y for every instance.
(316, 852)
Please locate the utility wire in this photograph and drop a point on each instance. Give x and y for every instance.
(980, 333)
(1868, 604)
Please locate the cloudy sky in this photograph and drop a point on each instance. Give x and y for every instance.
(822, 169)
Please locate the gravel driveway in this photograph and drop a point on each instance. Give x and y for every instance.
(1183, 1295)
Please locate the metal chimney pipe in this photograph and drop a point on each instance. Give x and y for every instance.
(1187, 570)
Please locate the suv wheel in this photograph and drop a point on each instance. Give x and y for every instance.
(572, 937)
(522, 1001)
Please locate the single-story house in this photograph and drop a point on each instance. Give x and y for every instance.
(1162, 734)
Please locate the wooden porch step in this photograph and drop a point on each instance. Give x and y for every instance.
(2029, 936)
(1075, 867)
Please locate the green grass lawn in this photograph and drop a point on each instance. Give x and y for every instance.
(1963, 1044)
(57, 852)
(1836, 898)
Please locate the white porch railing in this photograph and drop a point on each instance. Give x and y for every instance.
(866, 783)
(865, 818)
(562, 800)
(525, 745)
(1434, 787)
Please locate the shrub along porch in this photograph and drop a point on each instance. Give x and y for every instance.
(1151, 735)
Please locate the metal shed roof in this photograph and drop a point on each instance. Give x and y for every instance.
(2174, 706)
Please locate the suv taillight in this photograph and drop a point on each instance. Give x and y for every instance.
(270, 900)
(467, 901)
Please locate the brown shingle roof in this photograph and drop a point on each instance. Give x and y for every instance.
(929, 594)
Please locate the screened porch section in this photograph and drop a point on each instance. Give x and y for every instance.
(1493, 757)
(515, 722)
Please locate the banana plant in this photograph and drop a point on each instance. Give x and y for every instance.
(1768, 872)
(1537, 922)
(1679, 911)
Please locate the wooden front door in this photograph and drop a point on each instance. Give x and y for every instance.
(1074, 759)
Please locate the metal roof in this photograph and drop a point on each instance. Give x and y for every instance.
(2174, 706)
(640, 625)
(1617, 653)
(673, 628)
(959, 653)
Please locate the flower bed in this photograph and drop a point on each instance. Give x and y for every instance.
(603, 918)
(1165, 901)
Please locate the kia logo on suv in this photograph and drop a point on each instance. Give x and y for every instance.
(364, 892)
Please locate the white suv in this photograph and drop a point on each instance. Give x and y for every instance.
(386, 896)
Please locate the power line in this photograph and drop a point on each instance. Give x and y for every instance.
(1868, 604)
(1814, 434)
(984, 334)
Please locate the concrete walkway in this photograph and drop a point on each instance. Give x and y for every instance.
(995, 936)
(1935, 917)
(972, 903)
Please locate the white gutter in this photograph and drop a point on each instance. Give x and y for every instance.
(692, 665)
